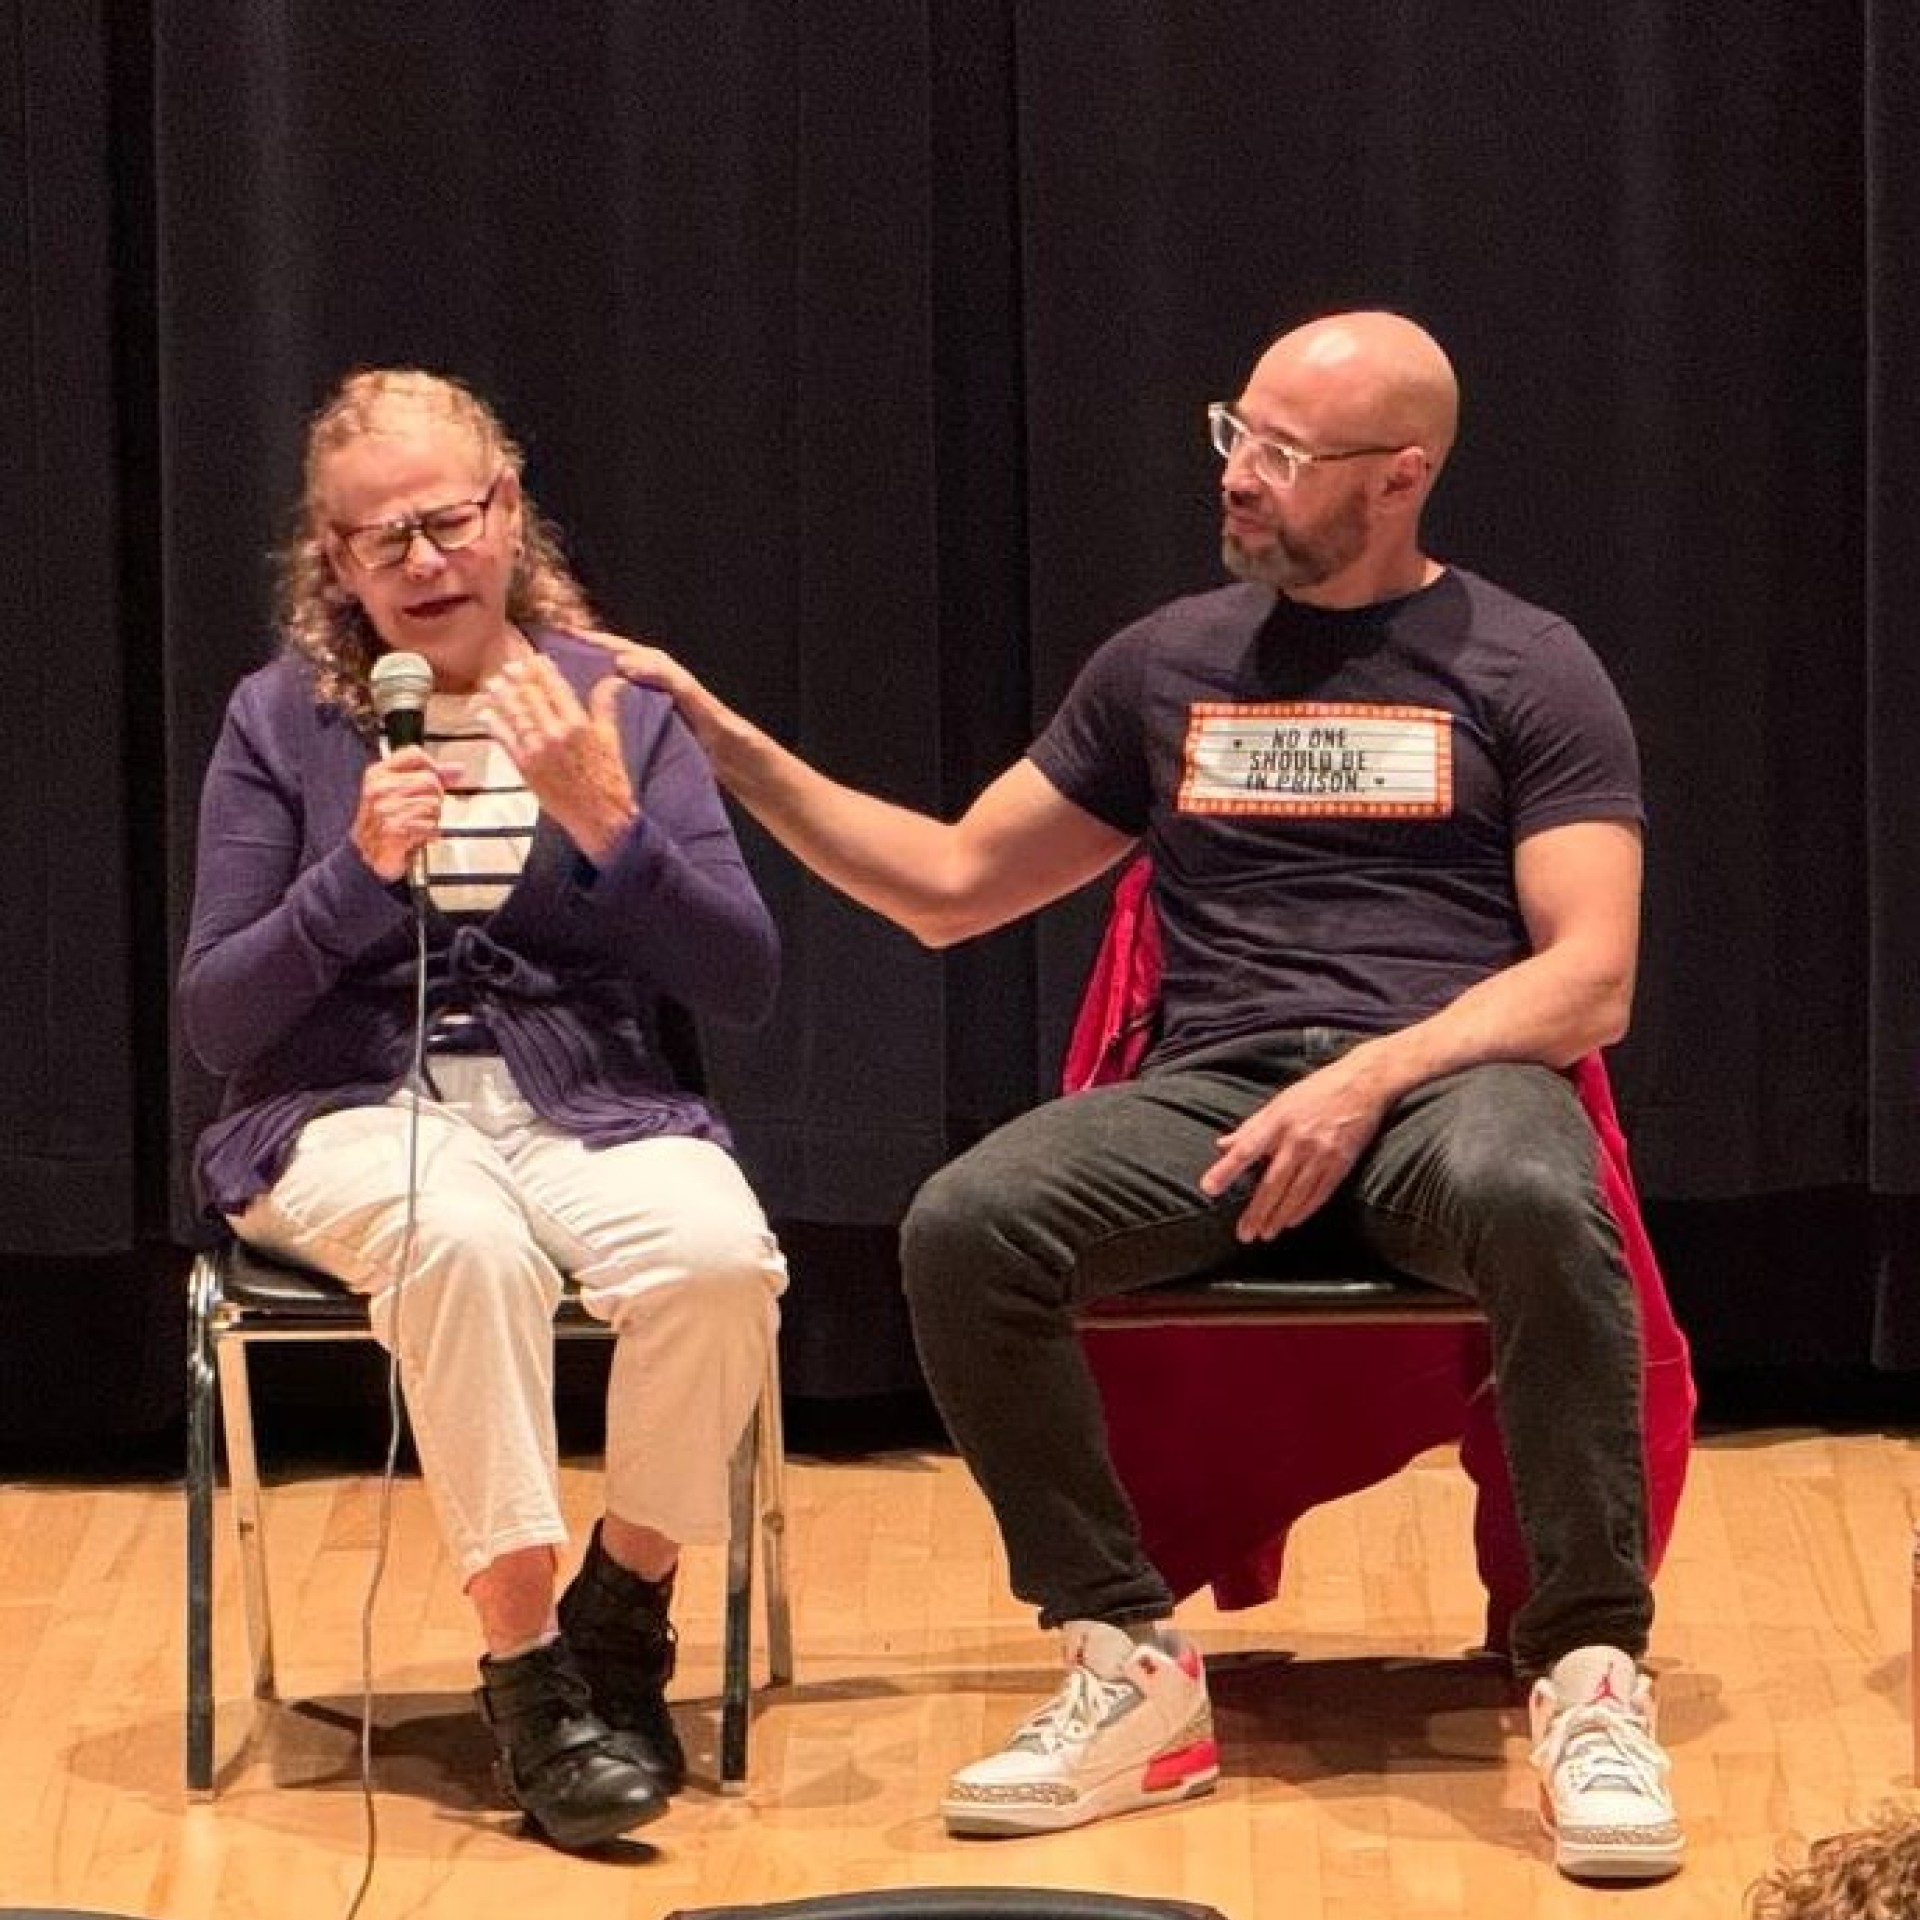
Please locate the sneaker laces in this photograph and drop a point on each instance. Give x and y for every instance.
(1073, 1715)
(1602, 1749)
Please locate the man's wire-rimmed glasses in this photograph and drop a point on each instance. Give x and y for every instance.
(1280, 461)
(385, 543)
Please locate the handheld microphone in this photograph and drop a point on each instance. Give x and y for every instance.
(399, 684)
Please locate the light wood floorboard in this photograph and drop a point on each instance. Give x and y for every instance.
(1372, 1770)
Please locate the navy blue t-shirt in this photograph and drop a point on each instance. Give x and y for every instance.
(1332, 799)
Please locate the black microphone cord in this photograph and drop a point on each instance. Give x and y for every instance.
(403, 1272)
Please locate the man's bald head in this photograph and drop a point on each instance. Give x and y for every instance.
(1360, 379)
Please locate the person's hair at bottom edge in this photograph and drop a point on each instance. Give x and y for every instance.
(1869, 1873)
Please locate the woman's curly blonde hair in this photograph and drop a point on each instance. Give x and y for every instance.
(1872, 1874)
(319, 619)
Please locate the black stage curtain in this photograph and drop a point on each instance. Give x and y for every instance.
(859, 348)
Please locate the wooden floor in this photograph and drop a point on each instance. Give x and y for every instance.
(1371, 1771)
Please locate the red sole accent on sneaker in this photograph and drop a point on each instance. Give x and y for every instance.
(1170, 1769)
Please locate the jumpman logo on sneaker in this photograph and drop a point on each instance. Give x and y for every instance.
(1605, 1691)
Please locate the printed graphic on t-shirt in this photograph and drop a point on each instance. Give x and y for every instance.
(1323, 758)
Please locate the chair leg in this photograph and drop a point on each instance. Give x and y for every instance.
(773, 1527)
(243, 1478)
(736, 1640)
(200, 1414)
(756, 1482)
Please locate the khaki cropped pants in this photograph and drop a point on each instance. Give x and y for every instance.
(663, 1237)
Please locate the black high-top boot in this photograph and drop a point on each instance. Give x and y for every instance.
(617, 1626)
(560, 1763)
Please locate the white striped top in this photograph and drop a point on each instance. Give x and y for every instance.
(487, 818)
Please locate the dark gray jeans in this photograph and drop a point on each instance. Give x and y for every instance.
(1484, 1181)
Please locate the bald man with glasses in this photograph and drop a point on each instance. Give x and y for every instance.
(1394, 816)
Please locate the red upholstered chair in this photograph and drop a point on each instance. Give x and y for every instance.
(1314, 1384)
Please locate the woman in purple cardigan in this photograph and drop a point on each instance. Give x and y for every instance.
(430, 976)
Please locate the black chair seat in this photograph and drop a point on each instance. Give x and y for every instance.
(253, 1284)
(257, 1288)
(1260, 1292)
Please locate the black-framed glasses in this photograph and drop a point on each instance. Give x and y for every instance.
(385, 543)
(1279, 461)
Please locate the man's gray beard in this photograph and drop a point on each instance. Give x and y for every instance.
(1286, 569)
(1276, 569)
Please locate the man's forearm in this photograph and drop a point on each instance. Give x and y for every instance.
(888, 857)
(1551, 1008)
(1019, 845)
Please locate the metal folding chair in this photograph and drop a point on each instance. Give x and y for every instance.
(238, 1297)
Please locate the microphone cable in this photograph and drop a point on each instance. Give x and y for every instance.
(403, 1272)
